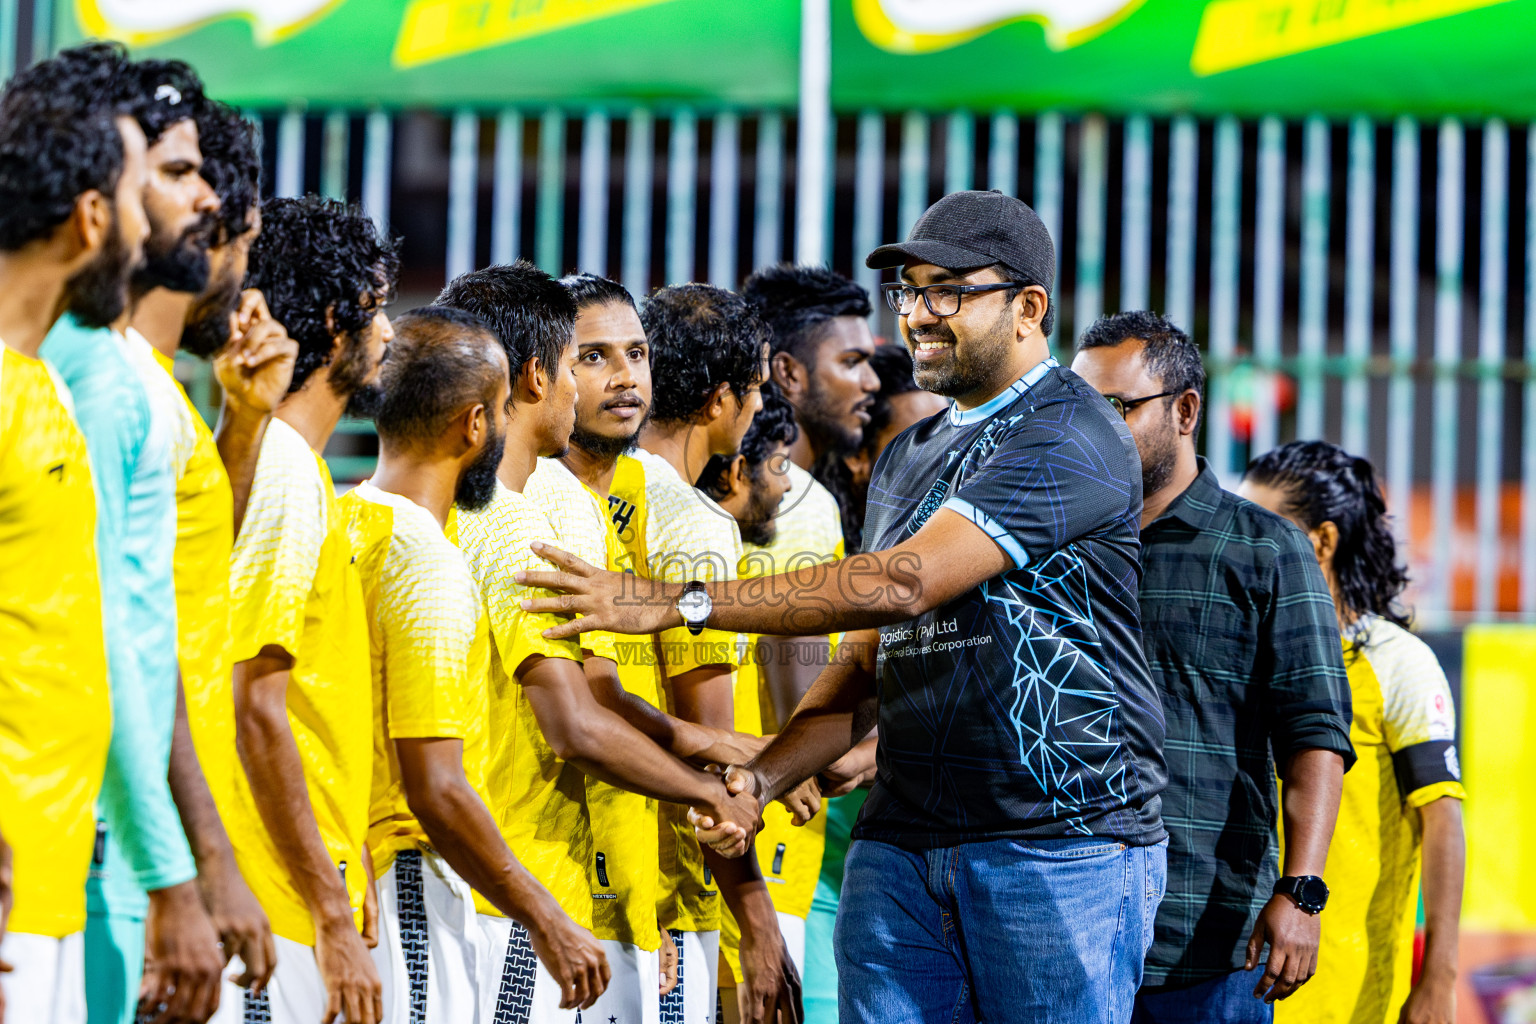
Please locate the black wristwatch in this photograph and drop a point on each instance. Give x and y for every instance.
(1309, 892)
(695, 606)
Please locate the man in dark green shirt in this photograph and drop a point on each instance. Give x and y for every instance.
(1240, 634)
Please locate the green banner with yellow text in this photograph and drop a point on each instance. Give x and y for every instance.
(1381, 57)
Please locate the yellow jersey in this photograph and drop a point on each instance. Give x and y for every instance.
(205, 536)
(808, 531)
(538, 799)
(1404, 731)
(293, 585)
(624, 863)
(55, 707)
(676, 533)
(429, 645)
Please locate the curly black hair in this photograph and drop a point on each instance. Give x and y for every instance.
(231, 166)
(774, 425)
(595, 290)
(798, 301)
(701, 336)
(441, 361)
(532, 315)
(91, 76)
(1324, 483)
(48, 159)
(58, 139)
(317, 257)
(160, 94)
(1168, 353)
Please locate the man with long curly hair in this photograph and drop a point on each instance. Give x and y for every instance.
(301, 678)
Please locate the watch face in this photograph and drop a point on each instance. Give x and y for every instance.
(1313, 893)
(694, 605)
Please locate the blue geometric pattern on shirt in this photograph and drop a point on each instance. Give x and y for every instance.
(514, 1002)
(413, 929)
(931, 503)
(1066, 730)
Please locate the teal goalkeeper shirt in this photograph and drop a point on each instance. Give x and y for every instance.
(145, 847)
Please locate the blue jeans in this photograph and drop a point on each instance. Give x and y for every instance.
(1224, 1000)
(1012, 930)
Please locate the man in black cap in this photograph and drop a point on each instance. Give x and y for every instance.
(1009, 862)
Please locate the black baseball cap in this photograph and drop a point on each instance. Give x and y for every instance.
(968, 230)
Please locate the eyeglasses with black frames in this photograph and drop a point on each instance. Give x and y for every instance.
(1123, 406)
(942, 300)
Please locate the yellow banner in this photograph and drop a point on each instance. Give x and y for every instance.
(1237, 33)
(435, 30)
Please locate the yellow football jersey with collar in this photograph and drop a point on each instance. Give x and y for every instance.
(429, 646)
(623, 866)
(538, 799)
(293, 584)
(55, 707)
(205, 536)
(1403, 729)
(674, 532)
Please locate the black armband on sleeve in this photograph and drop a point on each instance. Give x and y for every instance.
(1425, 764)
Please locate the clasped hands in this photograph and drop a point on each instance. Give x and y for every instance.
(729, 832)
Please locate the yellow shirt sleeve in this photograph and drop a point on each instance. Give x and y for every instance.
(428, 612)
(496, 543)
(277, 554)
(1419, 719)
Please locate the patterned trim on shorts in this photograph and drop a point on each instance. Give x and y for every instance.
(673, 1009)
(412, 903)
(514, 1003)
(258, 1008)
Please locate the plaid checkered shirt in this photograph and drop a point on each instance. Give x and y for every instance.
(1241, 636)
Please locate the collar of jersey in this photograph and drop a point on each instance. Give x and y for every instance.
(964, 417)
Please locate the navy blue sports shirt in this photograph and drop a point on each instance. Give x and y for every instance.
(1024, 708)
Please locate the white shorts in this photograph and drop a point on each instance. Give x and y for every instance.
(514, 986)
(793, 930)
(296, 995)
(429, 942)
(48, 983)
(695, 999)
(633, 995)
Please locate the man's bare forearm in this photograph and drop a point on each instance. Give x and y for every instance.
(194, 802)
(837, 713)
(461, 829)
(605, 746)
(1314, 783)
(271, 759)
(238, 438)
(1444, 874)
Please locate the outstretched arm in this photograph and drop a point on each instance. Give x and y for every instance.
(947, 557)
(606, 747)
(835, 715)
(699, 744)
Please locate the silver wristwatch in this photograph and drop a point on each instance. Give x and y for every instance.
(694, 606)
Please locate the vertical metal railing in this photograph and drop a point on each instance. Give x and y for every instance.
(1252, 276)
